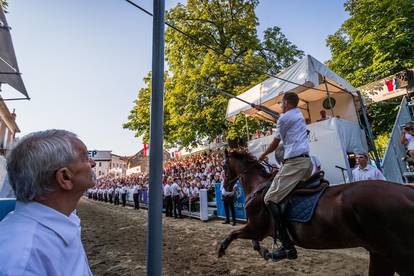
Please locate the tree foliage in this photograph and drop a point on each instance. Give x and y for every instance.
(195, 113)
(376, 41)
(4, 4)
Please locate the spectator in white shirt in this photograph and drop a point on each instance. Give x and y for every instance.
(49, 171)
(175, 191)
(168, 198)
(124, 192)
(407, 138)
(365, 171)
(135, 195)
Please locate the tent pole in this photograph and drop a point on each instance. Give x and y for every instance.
(154, 238)
(329, 96)
(369, 131)
(247, 128)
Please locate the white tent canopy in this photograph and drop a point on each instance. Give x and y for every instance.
(304, 78)
(9, 70)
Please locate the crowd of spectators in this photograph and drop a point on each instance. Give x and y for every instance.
(183, 178)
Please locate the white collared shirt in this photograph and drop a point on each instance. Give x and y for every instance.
(410, 141)
(167, 190)
(291, 129)
(38, 240)
(175, 189)
(367, 173)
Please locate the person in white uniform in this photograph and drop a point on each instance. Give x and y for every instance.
(365, 171)
(49, 172)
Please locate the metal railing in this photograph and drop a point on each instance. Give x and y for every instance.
(393, 165)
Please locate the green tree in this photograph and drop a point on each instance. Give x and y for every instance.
(194, 112)
(4, 4)
(376, 41)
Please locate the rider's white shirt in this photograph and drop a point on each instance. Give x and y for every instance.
(367, 173)
(291, 129)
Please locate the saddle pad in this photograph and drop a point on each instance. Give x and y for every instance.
(300, 208)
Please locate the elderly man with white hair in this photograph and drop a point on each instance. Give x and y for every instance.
(49, 171)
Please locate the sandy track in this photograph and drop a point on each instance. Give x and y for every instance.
(115, 242)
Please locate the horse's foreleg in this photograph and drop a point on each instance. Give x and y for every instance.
(379, 265)
(242, 233)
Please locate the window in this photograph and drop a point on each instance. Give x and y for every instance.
(100, 164)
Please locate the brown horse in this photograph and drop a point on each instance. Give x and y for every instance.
(376, 215)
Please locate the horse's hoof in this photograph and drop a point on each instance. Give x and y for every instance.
(256, 247)
(221, 252)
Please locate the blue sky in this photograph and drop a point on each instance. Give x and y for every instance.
(83, 61)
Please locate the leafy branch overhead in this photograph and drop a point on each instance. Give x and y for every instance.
(194, 113)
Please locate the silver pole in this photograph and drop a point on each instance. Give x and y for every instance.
(247, 128)
(369, 130)
(154, 234)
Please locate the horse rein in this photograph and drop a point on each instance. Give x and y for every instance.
(263, 163)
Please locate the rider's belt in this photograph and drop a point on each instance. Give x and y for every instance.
(302, 155)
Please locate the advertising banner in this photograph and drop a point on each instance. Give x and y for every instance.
(238, 202)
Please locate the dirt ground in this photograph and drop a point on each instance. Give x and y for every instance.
(115, 243)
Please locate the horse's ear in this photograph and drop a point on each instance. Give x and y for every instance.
(226, 153)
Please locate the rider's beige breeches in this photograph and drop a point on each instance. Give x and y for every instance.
(291, 172)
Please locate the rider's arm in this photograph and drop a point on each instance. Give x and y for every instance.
(272, 147)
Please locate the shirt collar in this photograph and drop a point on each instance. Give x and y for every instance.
(364, 169)
(67, 228)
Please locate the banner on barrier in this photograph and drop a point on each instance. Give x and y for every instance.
(238, 202)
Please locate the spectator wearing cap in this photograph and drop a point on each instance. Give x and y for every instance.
(365, 171)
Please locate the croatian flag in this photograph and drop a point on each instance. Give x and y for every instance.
(391, 85)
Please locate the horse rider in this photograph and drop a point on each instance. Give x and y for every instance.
(297, 166)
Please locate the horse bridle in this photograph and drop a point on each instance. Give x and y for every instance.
(265, 163)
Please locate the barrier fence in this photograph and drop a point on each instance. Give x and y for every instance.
(204, 211)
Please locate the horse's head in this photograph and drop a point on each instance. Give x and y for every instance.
(237, 164)
(231, 171)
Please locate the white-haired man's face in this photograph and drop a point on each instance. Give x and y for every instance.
(78, 176)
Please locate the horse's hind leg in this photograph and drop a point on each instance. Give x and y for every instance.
(262, 251)
(379, 265)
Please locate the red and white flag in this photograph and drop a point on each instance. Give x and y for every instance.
(145, 150)
(391, 85)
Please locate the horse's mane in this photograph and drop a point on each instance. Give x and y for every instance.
(250, 160)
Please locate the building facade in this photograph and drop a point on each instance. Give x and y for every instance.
(8, 128)
(139, 162)
(108, 163)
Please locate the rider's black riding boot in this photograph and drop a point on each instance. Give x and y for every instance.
(287, 250)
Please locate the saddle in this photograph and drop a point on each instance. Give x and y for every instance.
(315, 184)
